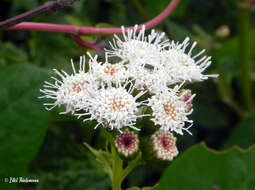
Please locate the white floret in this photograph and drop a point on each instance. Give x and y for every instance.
(115, 107)
(71, 91)
(169, 111)
(182, 66)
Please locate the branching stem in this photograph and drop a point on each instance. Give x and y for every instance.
(45, 8)
(80, 30)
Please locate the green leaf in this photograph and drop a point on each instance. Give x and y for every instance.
(202, 168)
(103, 157)
(24, 121)
(242, 134)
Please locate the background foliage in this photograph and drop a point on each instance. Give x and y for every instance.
(44, 145)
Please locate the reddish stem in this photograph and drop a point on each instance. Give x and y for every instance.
(45, 8)
(83, 43)
(79, 30)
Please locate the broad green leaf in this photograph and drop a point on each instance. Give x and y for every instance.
(24, 121)
(243, 134)
(202, 168)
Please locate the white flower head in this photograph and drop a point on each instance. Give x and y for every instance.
(169, 111)
(107, 72)
(115, 107)
(182, 66)
(135, 45)
(150, 76)
(71, 91)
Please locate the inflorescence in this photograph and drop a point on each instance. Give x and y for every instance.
(151, 72)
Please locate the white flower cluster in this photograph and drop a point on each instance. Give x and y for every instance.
(151, 68)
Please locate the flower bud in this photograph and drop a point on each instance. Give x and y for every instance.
(185, 96)
(163, 145)
(223, 31)
(127, 143)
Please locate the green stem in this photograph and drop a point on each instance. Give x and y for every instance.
(117, 165)
(132, 165)
(118, 173)
(116, 162)
(244, 45)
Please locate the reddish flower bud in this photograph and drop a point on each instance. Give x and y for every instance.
(163, 145)
(127, 143)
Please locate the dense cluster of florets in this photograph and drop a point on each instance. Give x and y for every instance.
(127, 143)
(151, 72)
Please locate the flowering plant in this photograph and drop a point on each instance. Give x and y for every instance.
(136, 101)
(151, 72)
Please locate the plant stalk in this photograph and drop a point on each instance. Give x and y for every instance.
(117, 164)
(244, 50)
(45, 8)
(80, 30)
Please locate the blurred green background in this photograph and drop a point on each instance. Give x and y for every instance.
(43, 145)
